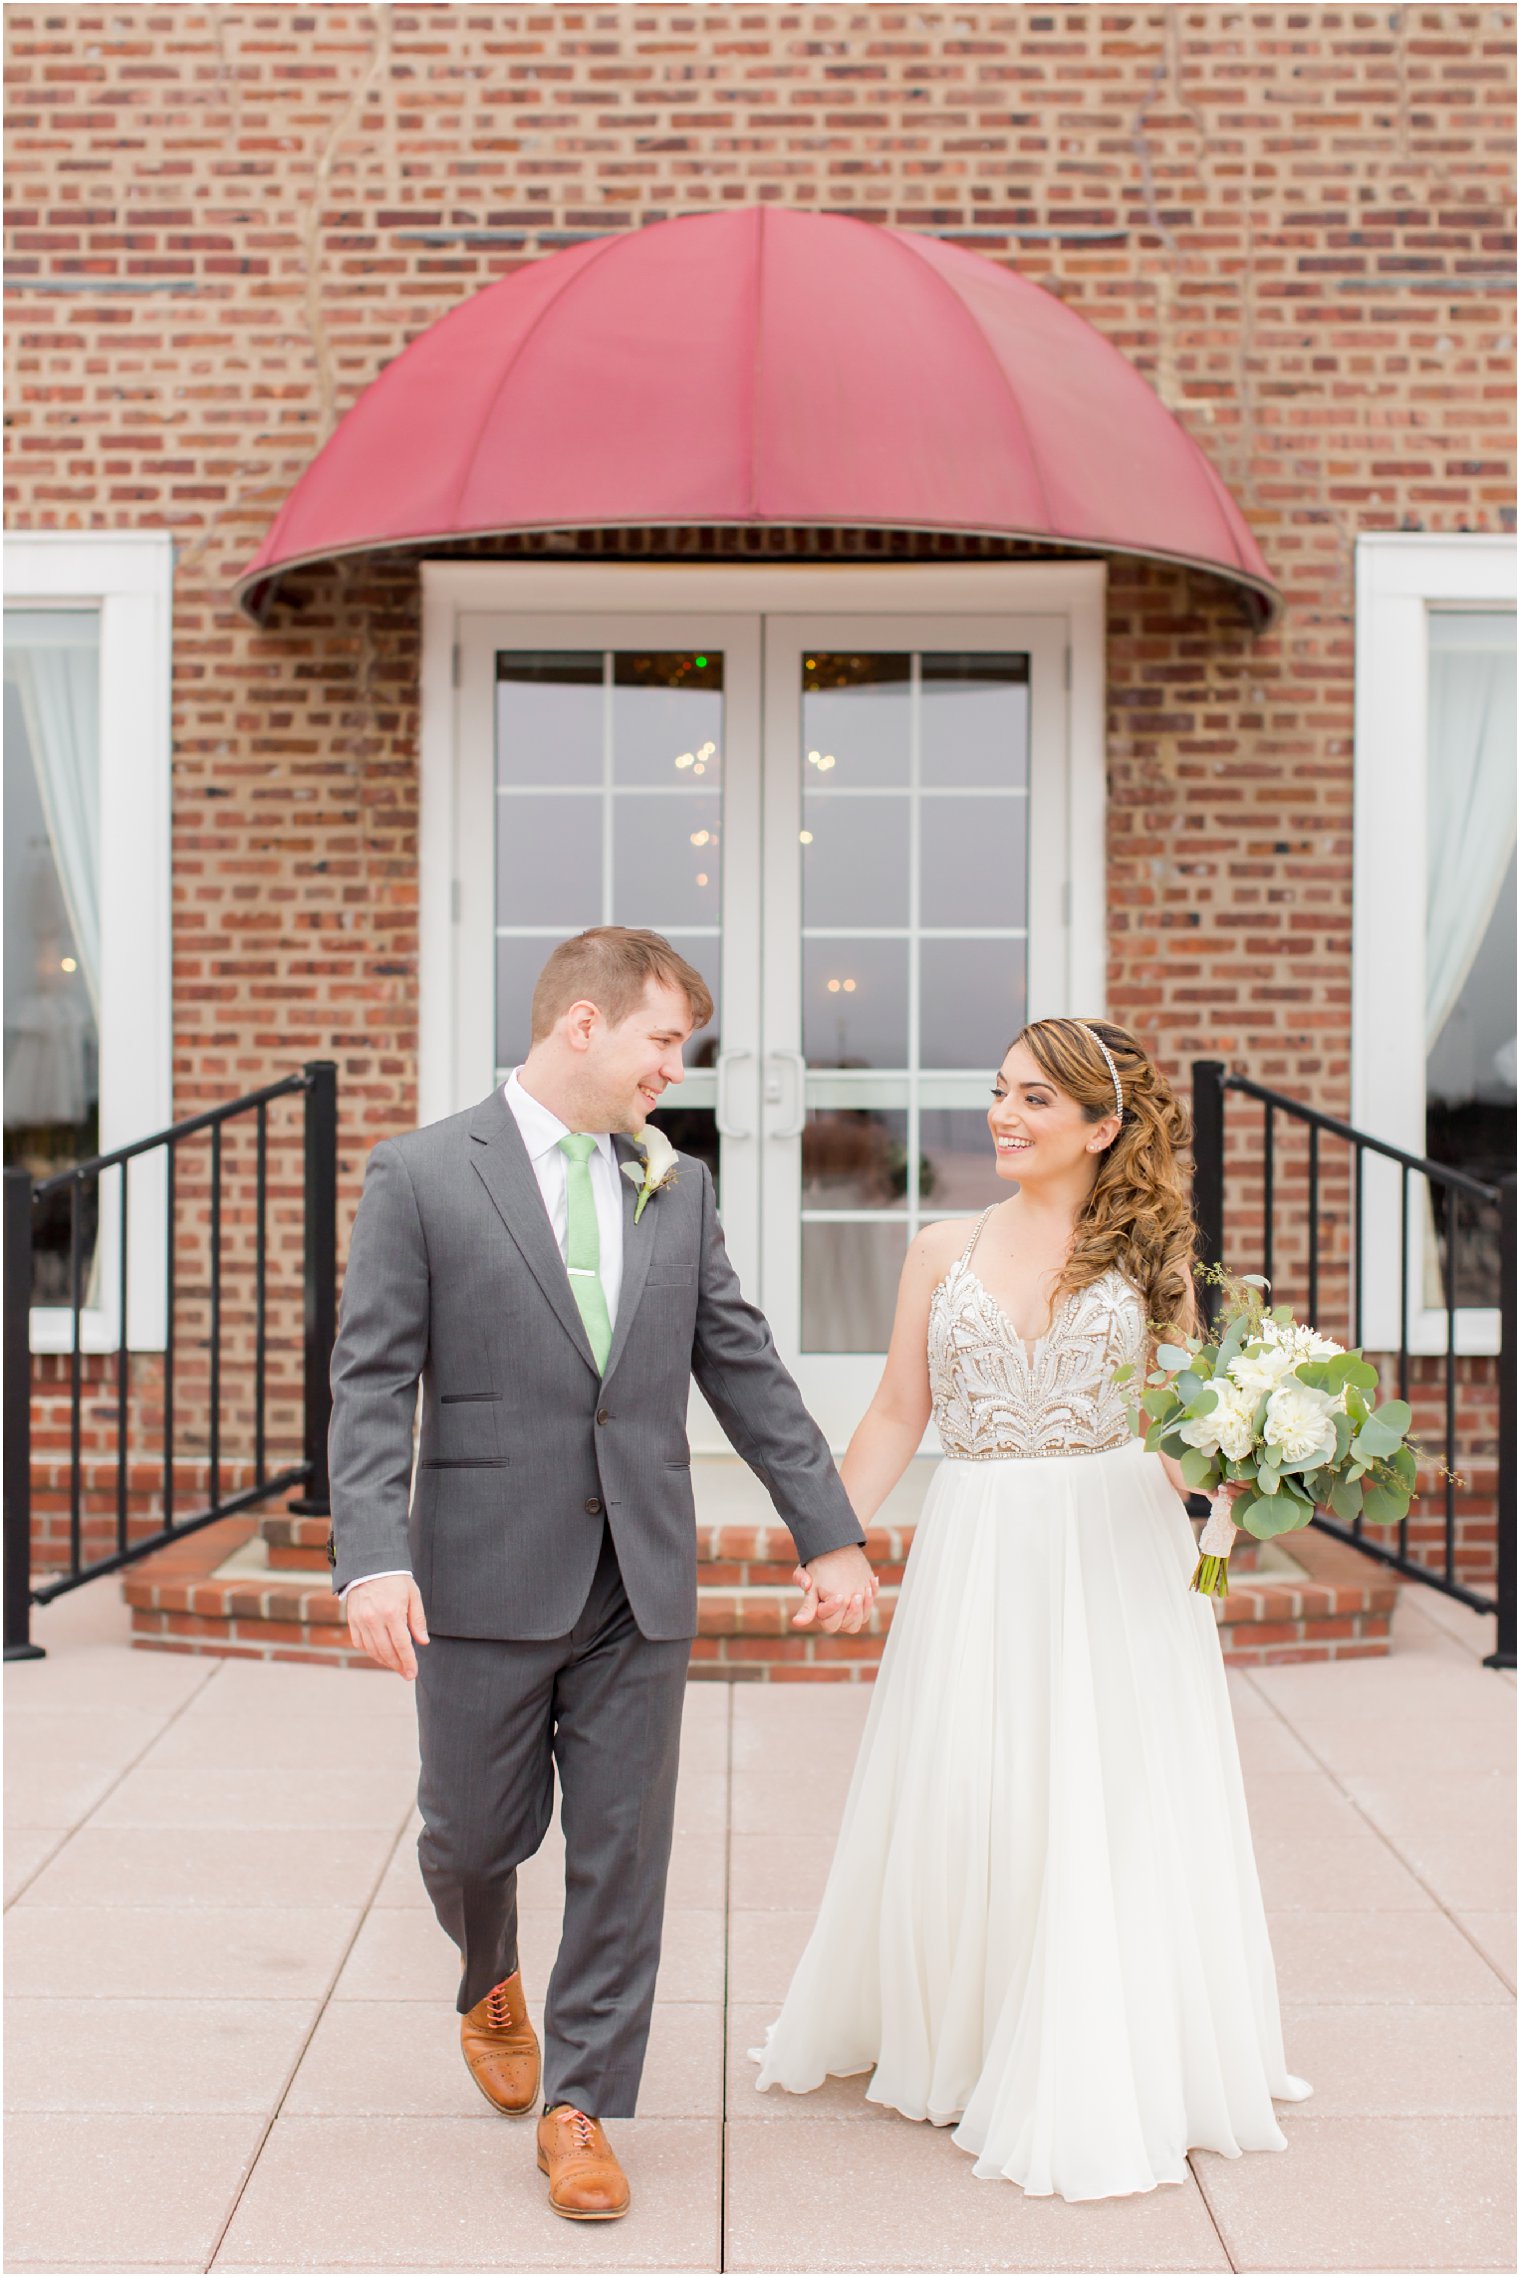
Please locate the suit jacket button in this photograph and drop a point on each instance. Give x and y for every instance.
(602, 1414)
(593, 1506)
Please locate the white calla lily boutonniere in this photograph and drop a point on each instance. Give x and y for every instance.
(658, 1168)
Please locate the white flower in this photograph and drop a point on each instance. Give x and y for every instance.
(657, 1169)
(659, 1154)
(1261, 1368)
(1226, 1429)
(1235, 1416)
(1300, 1424)
(1303, 1342)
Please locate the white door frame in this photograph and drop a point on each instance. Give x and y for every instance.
(1401, 578)
(466, 605)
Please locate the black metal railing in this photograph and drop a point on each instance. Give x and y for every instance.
(1449, 1189)
(317, 1086)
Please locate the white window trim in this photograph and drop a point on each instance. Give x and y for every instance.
(128, 576)
(1073, 591)
(1401, 577)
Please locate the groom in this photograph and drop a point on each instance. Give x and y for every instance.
(545, 1561)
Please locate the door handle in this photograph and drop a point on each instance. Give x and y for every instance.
(727, 1127)
(777, 1066)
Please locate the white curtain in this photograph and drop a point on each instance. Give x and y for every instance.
(54, 661)
(1471, 797)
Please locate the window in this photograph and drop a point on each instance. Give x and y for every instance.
(1433, 1001)
(86, 965)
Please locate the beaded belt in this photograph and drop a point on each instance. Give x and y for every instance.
(1031, 1454)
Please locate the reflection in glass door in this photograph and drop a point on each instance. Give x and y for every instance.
(862, 849)
(608, 772)
(898, 909)
(609, 811)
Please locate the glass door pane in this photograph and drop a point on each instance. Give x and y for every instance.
(609, 811)
(914, 790)
(916, 836)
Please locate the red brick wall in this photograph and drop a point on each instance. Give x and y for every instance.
(1294, 221)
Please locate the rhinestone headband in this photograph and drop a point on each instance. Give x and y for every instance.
(1109, 1060)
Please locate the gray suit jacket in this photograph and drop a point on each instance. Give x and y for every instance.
(454, 1276)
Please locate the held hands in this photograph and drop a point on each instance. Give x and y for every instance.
(838, 1589)
(384, 1615)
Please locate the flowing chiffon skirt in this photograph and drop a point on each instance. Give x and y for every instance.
(1043, 1922)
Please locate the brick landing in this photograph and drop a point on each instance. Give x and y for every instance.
(246, 1587)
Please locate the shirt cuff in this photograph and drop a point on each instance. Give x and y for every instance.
(385, 1576)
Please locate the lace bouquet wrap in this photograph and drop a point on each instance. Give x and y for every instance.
(1281, 1411)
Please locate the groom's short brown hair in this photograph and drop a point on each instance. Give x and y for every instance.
(610, 967)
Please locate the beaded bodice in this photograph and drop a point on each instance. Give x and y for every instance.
(994, 1399)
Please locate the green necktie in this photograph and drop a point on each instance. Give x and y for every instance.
(583, 1243)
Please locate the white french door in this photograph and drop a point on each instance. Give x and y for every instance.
(914, 865)
(859, 827)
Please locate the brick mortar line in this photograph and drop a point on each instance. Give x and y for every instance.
(323, 2004)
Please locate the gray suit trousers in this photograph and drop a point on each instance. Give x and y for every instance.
(497, 1716)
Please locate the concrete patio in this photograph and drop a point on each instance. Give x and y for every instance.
(230, 2039)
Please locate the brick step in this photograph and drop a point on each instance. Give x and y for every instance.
(221, 1591)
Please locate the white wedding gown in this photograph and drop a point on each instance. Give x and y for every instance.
(1043, 1923)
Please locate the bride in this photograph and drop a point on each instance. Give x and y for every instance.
(1042, 1924)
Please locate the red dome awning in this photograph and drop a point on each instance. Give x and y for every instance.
(763, 366)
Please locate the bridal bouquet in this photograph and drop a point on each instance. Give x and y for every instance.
(1275, 1407)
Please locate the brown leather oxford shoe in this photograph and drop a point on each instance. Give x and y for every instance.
(586, 2184)
(501, 2048)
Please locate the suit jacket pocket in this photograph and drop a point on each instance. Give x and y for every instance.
(465, 1462)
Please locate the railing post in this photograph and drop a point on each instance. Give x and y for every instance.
(321, 1305)
(18, 1417)
(1208, 1169)
(1503, 1654)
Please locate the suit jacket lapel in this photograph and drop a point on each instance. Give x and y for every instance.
(507, 1174)
(638, 1246)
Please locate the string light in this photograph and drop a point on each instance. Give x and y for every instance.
(804, 838)
(68, 965)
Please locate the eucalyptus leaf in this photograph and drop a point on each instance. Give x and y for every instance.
(1345, 1499)
(1283, 1514)
(1394, 1415)
(1172, 1357)
(1384, 1505)
(1197, 1467)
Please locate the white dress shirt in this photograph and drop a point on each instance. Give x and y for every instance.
(542, 1131)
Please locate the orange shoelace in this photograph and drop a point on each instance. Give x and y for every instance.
(498, 2012)
(582, 2129)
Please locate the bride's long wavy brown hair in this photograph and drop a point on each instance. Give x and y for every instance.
(1139, 1216)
